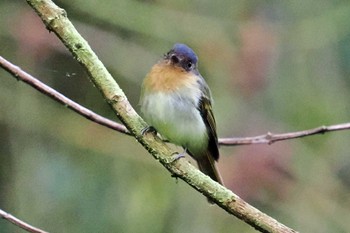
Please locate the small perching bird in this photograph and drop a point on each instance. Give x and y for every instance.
(176, 101)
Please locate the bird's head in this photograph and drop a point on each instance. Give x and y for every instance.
(182, 56)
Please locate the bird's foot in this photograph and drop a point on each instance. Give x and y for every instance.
(148, 129)
(175, 156)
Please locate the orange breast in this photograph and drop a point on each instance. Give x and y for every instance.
(167, 78)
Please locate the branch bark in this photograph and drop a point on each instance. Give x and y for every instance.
(56, 21)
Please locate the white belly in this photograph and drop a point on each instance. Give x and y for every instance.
(177, 119)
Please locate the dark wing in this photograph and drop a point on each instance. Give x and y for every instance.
(205, 108)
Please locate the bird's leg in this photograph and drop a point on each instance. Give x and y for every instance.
(151, 129)
(176, 155)
(148, 129)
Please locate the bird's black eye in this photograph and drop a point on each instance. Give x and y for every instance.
(189, 65)
(174, 59)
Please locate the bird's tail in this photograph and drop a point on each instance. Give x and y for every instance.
(206, 164)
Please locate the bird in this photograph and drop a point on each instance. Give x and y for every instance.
(176, 102)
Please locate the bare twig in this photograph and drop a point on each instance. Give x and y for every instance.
(270, 138)
(20, 223)
(43, 88)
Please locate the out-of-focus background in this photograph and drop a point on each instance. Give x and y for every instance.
(272, 66)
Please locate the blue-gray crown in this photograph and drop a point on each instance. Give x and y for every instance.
(185, 51)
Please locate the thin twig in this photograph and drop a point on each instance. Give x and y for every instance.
(270, 138)
(19, 74)
(20, 223)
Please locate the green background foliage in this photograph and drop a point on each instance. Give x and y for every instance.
(272, 66)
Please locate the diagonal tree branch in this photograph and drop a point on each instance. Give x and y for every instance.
(56, 20)
(20, 223)
(268, 138)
